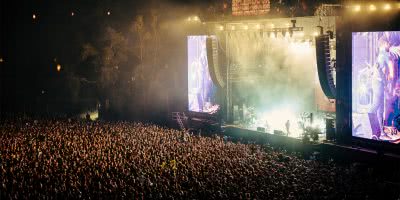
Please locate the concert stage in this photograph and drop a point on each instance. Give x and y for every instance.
(279, 75)
(261, 73)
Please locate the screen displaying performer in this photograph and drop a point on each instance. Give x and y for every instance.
(201, 89)
(376, 85)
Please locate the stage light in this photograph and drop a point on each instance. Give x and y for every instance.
(372, 7)
(1, 60)
(276, 123)
(387, 7)
(72, 14)
(108, 13)
(293, 23)
(33, 16)
(58, 67)
(357, 8)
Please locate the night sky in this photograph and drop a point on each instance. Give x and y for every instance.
(38, 35)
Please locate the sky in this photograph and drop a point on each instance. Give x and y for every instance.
(38, 35)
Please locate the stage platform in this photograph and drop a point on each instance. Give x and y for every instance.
(327, 150)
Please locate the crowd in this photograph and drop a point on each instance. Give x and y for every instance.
(122, 160)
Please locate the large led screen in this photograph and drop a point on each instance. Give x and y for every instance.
(201, 89)
(376, 86)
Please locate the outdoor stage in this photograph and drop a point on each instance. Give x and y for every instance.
(268, 75)
(262, 73)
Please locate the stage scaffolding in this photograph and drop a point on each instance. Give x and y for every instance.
(299, 29)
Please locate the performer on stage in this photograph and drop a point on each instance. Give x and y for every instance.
(266, 125)
(287, 124)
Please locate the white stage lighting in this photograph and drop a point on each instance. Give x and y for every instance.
(372, 7)
(387, 7)
(357, 8)
(299, 34)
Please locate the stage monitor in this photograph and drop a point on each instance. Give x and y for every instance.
(376, 86)
(201, 89)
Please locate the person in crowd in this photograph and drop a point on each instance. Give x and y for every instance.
(60, 159)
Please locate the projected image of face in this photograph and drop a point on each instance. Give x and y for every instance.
(201, 88)
(376, 85)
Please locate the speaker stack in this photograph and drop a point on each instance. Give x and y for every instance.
(330, 129)
(324, 66)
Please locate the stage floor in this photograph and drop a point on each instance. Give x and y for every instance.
(295, 134)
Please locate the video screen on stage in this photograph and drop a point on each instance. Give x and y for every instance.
(201, 89)
(376, 86)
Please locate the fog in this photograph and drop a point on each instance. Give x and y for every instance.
(281, 71)
(142, 63)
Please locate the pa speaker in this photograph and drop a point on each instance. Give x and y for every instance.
(213, 62)
(324, 66)
(330, 129)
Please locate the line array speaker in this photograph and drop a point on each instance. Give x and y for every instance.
(324, 66)
(213, 62)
